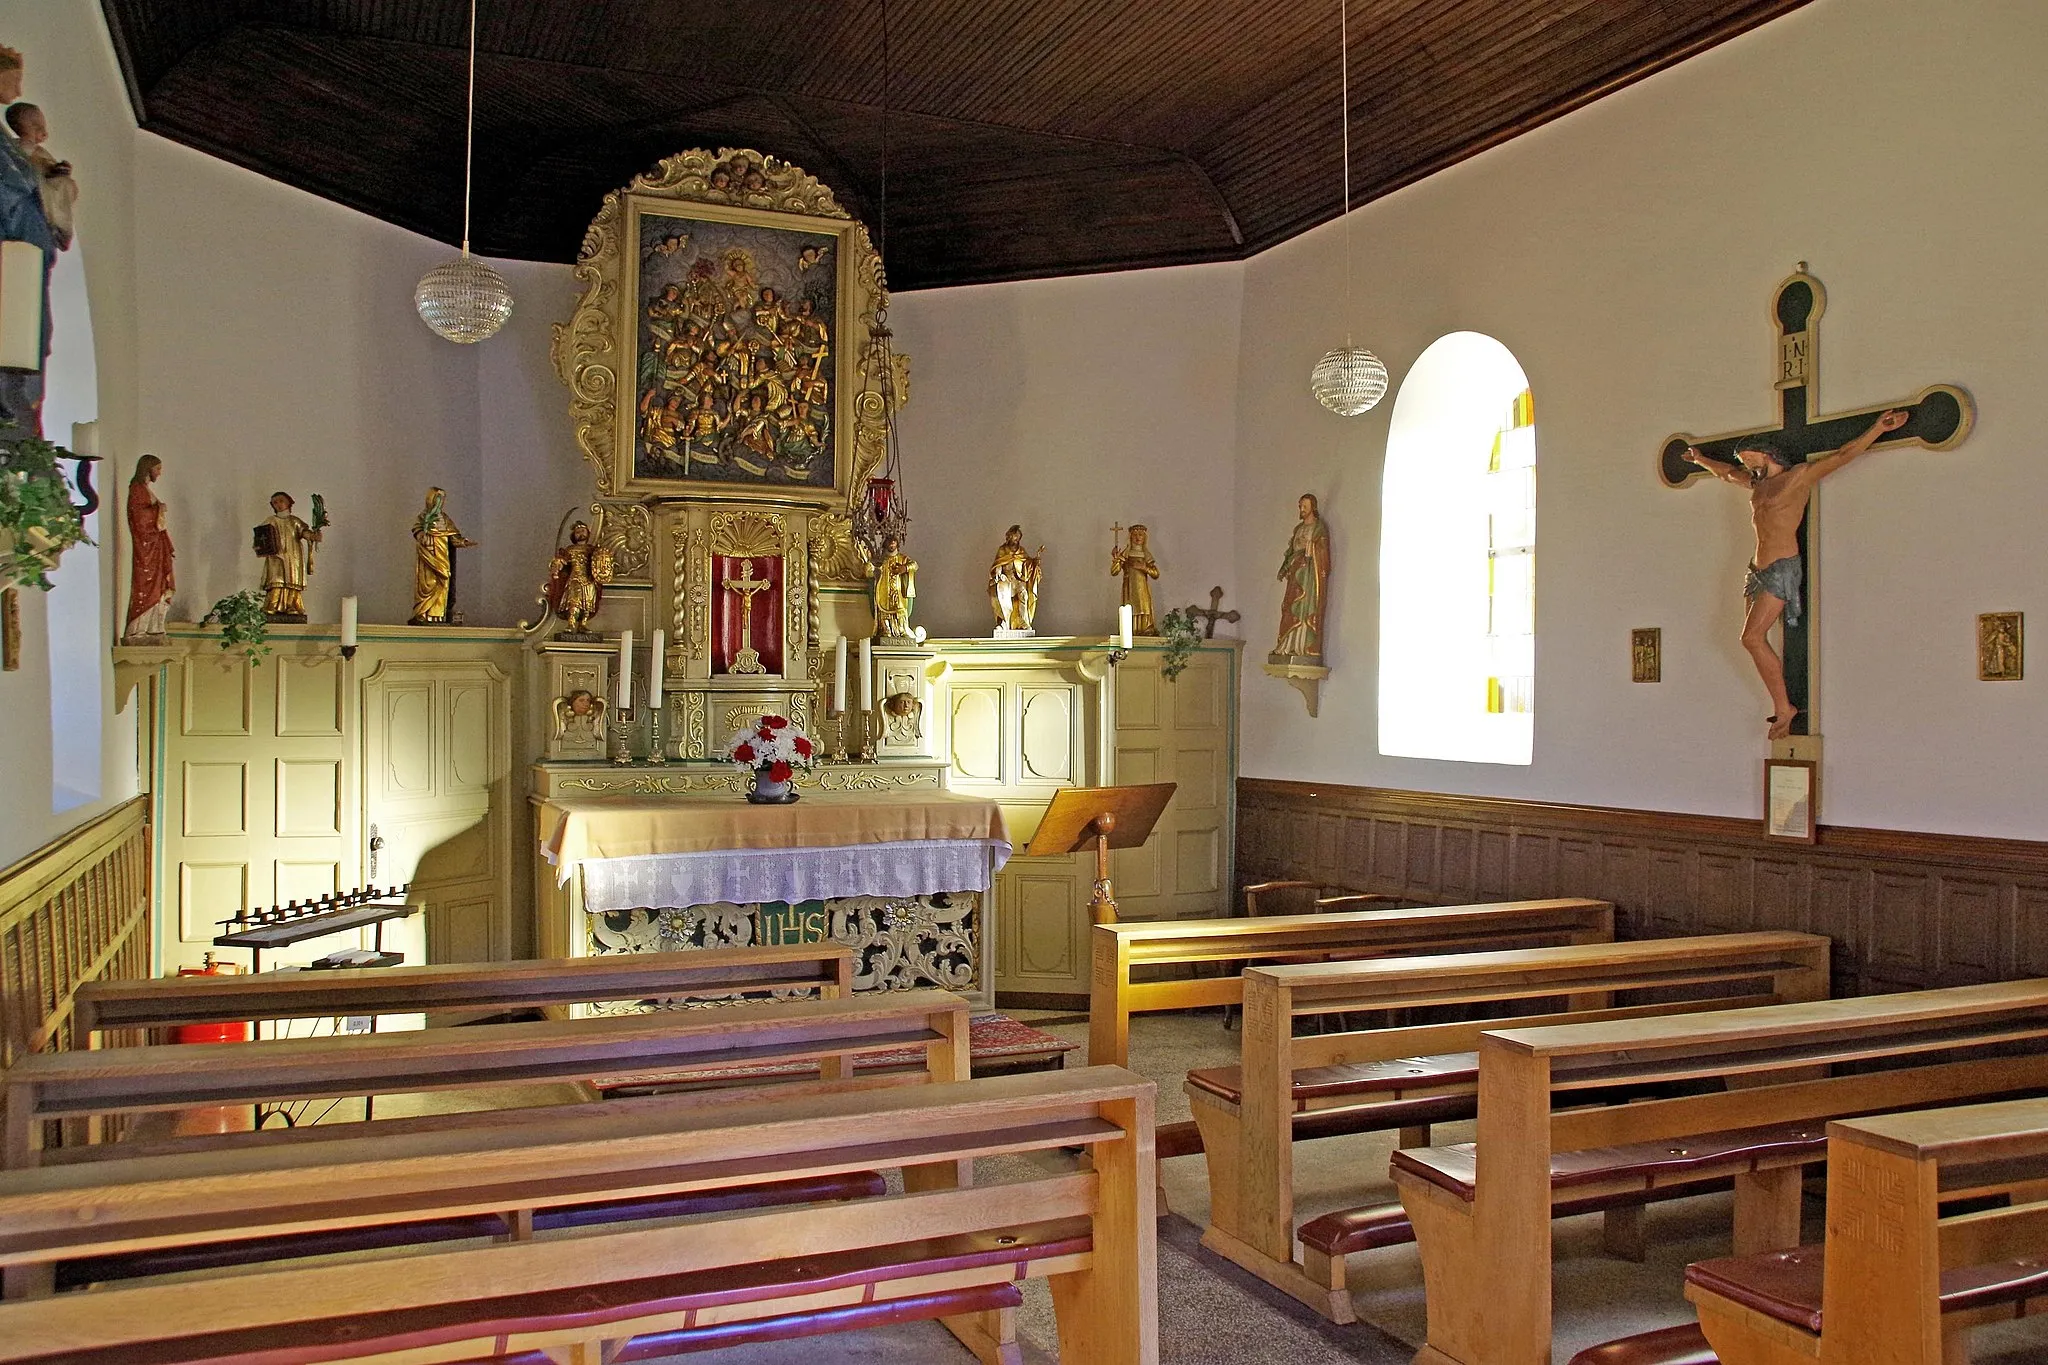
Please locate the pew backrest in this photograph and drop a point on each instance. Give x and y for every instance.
(461, 987)
(1118, 949)
(1095, 1224)
(68, 1085)
(1887, 1241)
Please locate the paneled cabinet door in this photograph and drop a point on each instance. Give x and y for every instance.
(1181, 732)
(436, 791)
(257, 803)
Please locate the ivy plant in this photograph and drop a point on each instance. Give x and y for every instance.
(1183, 638)
(243, 625)
(38, 521)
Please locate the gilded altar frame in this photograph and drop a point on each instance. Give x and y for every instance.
(596, 352)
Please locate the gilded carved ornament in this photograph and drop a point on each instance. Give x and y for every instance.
(587, 353)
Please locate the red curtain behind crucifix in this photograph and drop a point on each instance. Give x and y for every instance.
(741, 619)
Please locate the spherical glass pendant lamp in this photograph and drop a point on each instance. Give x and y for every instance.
(465, 300)
(1348, 380)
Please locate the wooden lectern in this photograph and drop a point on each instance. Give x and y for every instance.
(1111, 817)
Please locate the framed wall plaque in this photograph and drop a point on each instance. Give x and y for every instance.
(2001, 646)
(1791, 798)
(1646, 654)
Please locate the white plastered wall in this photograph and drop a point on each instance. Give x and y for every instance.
(72, 75)
(1627, 254)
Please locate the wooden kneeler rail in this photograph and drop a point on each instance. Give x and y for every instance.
(1484, 1230)
(106, 1081)
(1359, 1075)
(579, 1295)
(1900, 1283)
(460, 987)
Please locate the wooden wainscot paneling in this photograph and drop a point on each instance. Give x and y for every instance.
(1906, 910)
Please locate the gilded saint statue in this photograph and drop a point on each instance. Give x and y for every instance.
(894, 591)
(151, 579)
(285, 545)
(576, 579)
(1013, 585)
(437, 538)
(1133, 562)
(1305, 569)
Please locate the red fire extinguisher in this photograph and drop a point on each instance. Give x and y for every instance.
(237, 1032)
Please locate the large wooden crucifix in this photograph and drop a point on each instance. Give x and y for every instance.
(1938, 417)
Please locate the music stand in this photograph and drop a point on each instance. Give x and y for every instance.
(1110, 817)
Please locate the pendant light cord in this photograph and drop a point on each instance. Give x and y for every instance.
(883, 250)
(1344, 95)
(469, 143)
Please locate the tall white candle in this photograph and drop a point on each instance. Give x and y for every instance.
(656, 665)
(867, 675)
(839, 677)
(625, 670)
(348, 622)
(1123, 625)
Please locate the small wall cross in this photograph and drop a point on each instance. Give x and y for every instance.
(1213, 613)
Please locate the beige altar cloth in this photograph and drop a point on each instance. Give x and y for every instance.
(641, 827)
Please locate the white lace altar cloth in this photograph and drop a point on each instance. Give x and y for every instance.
(746, 876)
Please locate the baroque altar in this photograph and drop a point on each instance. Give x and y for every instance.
(726, 375)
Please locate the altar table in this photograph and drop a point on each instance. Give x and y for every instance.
(903, 878)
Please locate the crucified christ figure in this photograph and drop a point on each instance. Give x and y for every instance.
(1779, 492)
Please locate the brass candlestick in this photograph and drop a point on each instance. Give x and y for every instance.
(867, 739)
(657, 747)
(838, 754)
(622, 741)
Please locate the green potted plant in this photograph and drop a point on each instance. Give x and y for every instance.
(1183, 638)
(38, 521)
(243, 625)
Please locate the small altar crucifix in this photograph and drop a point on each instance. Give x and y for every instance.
(1213, 613)
(1938, 418)
(746, 659)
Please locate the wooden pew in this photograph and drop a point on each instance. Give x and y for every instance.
(1896, 1283)
(1482, 1214)
(618, 1291)
(106, 1081)
(457, 988)
(1119, 948)
(1410, 1077)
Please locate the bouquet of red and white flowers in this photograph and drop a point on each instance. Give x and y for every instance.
(775, 748)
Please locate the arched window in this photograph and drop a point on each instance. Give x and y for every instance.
(1458, 558)
(78, 646)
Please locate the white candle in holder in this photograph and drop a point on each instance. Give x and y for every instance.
(839, 677)
(348, 622)
(655, 667)
(625, 670)
(1123, 625)
(867, 675)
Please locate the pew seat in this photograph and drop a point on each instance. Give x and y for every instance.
(1346, 1080)
(1681, 1345)
(1635, 1165)
(592, 1308)
(1786, 1285)
(1345, 1231)
(817, 1189)
(790, 1326)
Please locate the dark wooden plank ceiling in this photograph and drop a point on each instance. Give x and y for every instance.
(1026, 137)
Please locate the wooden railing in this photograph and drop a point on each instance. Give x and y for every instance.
(76, 910)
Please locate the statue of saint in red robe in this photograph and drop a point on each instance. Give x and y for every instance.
(150, 579)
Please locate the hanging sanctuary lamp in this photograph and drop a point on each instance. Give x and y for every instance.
(465, 300)
(1350, 379)
(881, 511)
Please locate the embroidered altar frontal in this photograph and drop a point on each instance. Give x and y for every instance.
(902, 879)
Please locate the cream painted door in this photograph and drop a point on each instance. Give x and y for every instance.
(1181, 732)
(1019, 729)
(258, 799)
(437, 791)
